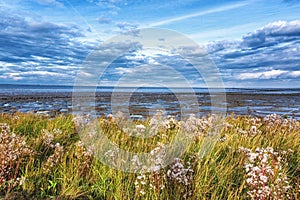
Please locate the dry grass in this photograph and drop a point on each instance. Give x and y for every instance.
(43, 158)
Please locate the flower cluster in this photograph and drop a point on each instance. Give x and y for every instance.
(57, 131)
(254, 130)
(55, 158)
(81, 120)
(139, 130)
(155, 162)
(227, 126)
(13, 150)
(158, 125)
(276, 122)
(194, 126)
(273, 119)
(179, 174)
(85, 157)
(254, 121)
(155, 181)
(181, 177)
(157, 156)
(265, 175)
(140, 184)
(159, 122)
(252, 126)
(112, 156)
(47, 138)
(176, 176)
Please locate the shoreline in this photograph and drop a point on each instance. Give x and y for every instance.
(141, 102)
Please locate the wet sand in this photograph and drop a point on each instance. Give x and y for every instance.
(142, 103)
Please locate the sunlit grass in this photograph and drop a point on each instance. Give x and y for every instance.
(47, 159)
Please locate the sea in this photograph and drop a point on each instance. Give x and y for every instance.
(53, 100)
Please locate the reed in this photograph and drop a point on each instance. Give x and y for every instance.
(253, 158)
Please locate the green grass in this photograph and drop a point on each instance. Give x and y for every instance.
(47, 170)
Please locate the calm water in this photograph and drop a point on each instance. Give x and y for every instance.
(33, 89)
(58, 99)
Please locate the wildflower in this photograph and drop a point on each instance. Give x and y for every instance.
(110, 117)
(196, 126)
(120, 119)
(181, 177)
(241, 131)
(157, 157)
(142, 192)
(155, 122)
(140, 184)
(22, 180)
(178, 173)
(47, 138)
(84, 156)
(272, 119)
(13, 150)
(265, 177)
(81, 120)
(252, 157)
(136, 163)
(57, 131)
(54, 158)
(253, 130)
(112, 156)
(139, 129)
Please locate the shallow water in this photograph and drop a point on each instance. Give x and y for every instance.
(53, 100)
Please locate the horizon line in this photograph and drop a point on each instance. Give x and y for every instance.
(108, 86)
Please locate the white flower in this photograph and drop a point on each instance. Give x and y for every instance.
(265, 158)
(142, 192)
(252, 157)
(139, 129)
(143, 182)
(248, 167)
(22, 180)
(110, 116)
(263, 178)
(249, 180)
(253, 130)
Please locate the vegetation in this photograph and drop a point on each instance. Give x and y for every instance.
(253, 158)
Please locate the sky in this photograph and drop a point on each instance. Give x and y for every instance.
(252, 43)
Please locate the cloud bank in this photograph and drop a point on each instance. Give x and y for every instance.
(269, 53)
(32, 50)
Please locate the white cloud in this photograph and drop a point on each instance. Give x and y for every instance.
(295, 74)
(270, 53)
(112, 5)
(51, 3)
(126, 26)
(135, 71)
(123, 70)
(272, 33)
(42, 73)
(280, 28)
(272, 74)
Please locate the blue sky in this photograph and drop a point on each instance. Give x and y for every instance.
(253, 43)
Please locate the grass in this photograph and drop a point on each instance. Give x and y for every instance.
(45, 158)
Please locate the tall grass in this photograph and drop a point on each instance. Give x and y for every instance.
(44, 158)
